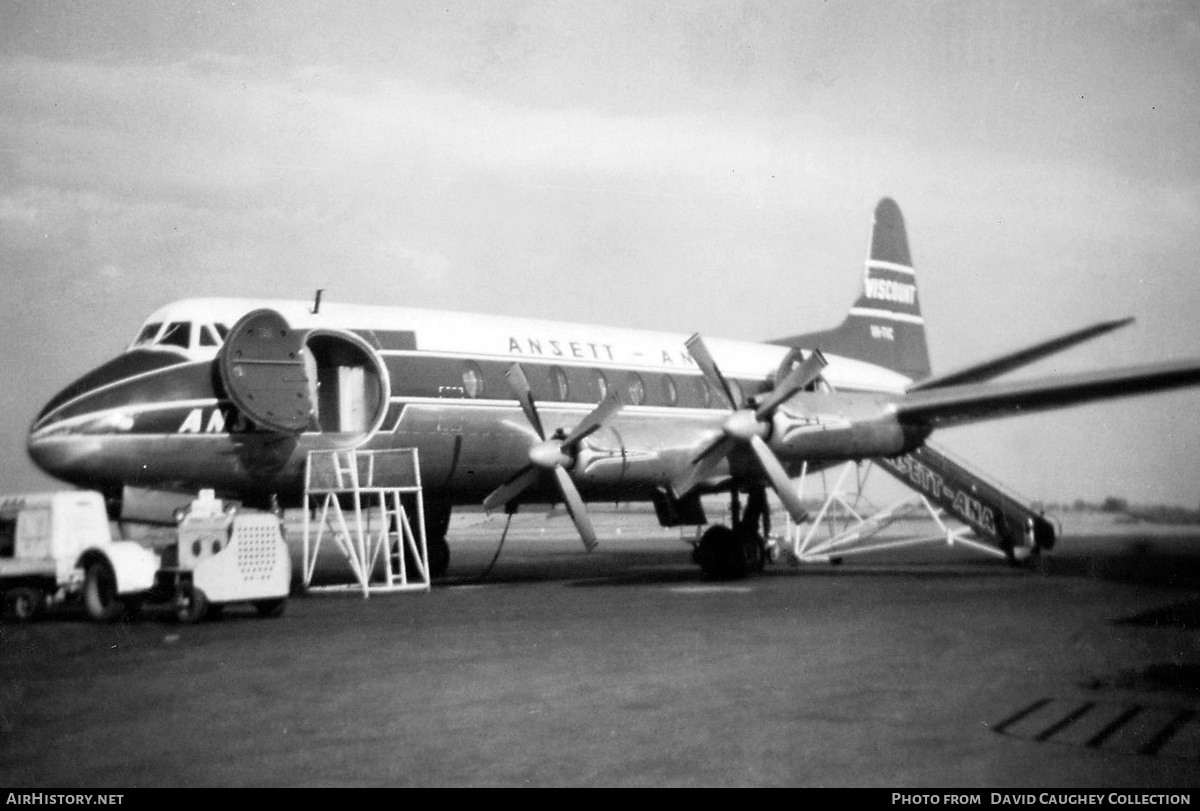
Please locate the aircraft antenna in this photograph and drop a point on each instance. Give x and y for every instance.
(317, 300)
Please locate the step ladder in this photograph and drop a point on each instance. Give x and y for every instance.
(968, 509)
(356, 500)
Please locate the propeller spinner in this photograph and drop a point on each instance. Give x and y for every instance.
(750, 424)
(556, 454)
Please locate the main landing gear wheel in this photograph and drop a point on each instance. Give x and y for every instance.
(24, 602)
(724, 554)
(100, 593)
(190, 604)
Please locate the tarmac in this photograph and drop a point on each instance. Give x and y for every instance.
(928, 668)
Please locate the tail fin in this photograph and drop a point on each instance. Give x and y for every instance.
(884, 326)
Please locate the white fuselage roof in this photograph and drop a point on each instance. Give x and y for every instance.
(494, 336)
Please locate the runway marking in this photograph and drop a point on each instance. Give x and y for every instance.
(711, 589)
(1134, 729)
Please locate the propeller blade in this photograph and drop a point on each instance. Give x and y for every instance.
(512, 488)
(594, 421)
(703, 464)
(553, 455)
(793, 358)
(795, 380)
(520, 384)
(699, 352)
(780, 482)
(719, 447)
(575, 506)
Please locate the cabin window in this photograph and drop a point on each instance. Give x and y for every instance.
(146, 336)
(703, 392)
(222, 331)
(636, 388)
(178, 333)
(559, 380)
(472, 379)
(601, 384)
(670, 392)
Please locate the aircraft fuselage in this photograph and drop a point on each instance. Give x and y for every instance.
(377, 378)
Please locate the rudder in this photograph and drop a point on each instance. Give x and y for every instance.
(885, 326)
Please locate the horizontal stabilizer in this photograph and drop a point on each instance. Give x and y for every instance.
(958, 405)
(1006, 363)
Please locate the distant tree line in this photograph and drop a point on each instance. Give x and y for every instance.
(1154, 513)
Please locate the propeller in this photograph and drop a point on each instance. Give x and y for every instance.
(750, 423)
(555, 454)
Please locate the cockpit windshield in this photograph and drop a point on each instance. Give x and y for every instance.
(177, 333)
(201, 339)
(147, 335)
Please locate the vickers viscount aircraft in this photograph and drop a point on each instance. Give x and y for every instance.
(231, 394)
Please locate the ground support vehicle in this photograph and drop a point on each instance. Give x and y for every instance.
(225, 556)
(56, 547)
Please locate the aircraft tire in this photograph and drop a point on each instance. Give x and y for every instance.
(24, 603)
(755, 551)
(270, 608)
(722, 554)
(190, 604)
(100, 593)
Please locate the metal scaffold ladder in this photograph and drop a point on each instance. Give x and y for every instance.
(969, 509)
(849, 532)
(357, 501)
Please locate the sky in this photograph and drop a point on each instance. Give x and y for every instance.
(684, 166)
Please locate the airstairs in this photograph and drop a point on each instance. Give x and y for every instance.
(968, 509)
(362, 502)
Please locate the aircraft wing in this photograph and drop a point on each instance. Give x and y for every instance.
(959, 405)
(1006, 363)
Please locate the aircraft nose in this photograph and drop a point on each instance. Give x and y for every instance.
(51, 454)
(78, 450)
(66, 437)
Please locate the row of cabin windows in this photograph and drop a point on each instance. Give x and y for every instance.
(593, 385)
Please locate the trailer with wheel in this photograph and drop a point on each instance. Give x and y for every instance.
(56, 547)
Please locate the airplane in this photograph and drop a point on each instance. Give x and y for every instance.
(231, 394)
